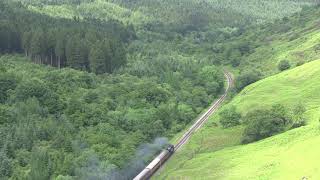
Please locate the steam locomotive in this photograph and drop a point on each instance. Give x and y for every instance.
(155, 164)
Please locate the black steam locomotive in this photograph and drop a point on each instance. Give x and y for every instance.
(155, 164)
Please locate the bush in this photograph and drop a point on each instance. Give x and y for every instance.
(229, 117)
(284, 65)
(5, 166)
(300, 63)
(246, 78)
(263, 123)
(36, 88)
(212, 78)
(298, 116)
(7, 82)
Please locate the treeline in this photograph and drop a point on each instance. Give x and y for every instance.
(54, 2)
(90, 45)
(193, 15)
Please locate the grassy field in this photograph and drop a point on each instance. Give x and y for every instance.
(291, 155)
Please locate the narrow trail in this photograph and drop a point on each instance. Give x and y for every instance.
(204, 118)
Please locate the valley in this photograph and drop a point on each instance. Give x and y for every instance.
(95, 89)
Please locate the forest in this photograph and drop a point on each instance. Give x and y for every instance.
(89, 45)
(85, 83)
(57, 122)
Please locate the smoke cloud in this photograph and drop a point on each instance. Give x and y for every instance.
(94, 169)
(138, 163)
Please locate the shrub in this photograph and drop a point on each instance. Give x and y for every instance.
(263, 123)
(229, 117)
(300, 63)
(246, 78)
(5, 114)
(5, 166)
(284, 65)
(36, 88)
(298, 116)
(7, 82)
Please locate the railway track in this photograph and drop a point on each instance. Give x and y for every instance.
(204, 118)
(152, 168)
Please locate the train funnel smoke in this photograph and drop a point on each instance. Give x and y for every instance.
(138, 163)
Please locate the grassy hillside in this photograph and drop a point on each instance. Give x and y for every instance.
(291, 155)
(297, 85)
(298, 44)
(295, 39)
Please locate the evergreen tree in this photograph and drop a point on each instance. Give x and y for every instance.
(118, 55)
(36, 45)
(60, 49)
(5, 165)
(40, 165)
(26, 39)
(98, 63)
(77, 53)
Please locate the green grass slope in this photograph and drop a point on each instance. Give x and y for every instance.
(290, 155)
(295, 39)
(300, 84)
(298, 45)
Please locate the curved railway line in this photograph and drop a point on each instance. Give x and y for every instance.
(204, 118)
(159, 161)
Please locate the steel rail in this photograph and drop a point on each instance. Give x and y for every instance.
(199, 123)
(202, 119)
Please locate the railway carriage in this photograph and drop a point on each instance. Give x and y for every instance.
(155, 164)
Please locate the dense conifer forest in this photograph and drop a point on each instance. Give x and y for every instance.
(90, 45)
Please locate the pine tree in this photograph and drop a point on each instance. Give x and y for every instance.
(77, 53)
(26, 38)
(36, 45)
(50, 46)
(107, 54)
(40, 165)
(5, 165)
(4, 39)
(60, 49)
(72, 53)
(97, 59)
(118, 55)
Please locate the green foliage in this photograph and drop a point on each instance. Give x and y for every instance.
(40, 165)
(56, 115)
(60, 177)
(181, 15)
(284, 65)
(298, 118)
(229, 117)
(7, 82)
(272, 156)
(157, 83)
(38, 89)
(61, 42)
(212, 78)
(246, 78)
(5, 114)
(98, 60)
(5, 165)
(263, 123)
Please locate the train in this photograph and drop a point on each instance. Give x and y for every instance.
(147, 172)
